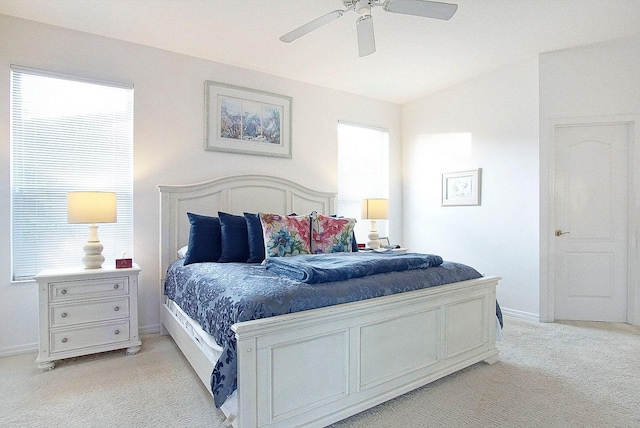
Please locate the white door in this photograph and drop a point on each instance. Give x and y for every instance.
(591, 208)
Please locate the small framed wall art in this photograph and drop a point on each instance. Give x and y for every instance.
(249, 121)
(461, 188)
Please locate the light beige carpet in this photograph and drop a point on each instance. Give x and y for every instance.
(549, 375)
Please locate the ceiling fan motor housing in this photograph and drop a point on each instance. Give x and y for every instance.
(351, 4)
(363, 7)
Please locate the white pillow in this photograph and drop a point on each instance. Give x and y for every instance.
(182, 252)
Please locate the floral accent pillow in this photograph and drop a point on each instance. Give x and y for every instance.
(331, 234)
(285, 235)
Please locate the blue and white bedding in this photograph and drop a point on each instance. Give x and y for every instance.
(330, 267)
(218, 295)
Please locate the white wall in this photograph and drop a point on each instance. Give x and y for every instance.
(502, 122)
(168, 142)
(490, 122)
(590, 83)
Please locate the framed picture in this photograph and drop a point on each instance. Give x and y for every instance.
(461, 188)
(242, 120)
(384, 242)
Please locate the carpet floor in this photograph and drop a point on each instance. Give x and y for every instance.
(572, 374)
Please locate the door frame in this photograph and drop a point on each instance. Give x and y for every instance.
(548, 215)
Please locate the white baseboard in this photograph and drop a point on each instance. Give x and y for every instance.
(527, 316)
(155, 328)
(17, 350)
(149, 329)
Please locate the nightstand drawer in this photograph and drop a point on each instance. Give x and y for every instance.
(76, 338)
(104, 310)
(88, 288)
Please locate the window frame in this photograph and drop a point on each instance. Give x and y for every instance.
(68, 250)
(353, 208)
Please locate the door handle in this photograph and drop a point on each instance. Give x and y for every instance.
(560, 233)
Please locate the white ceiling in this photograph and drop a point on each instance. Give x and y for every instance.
(415, 56)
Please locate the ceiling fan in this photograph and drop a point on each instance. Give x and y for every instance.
(364, 24)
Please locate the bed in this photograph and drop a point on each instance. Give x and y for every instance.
(318, 366)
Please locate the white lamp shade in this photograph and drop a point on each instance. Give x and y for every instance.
(91, 207)
(375, 209)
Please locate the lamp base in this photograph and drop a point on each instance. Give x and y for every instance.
(93, 257)
(374, 237)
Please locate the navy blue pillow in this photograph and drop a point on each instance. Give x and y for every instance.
(235, 239)
(205, 239)
(256, 238)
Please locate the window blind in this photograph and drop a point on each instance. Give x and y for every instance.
(67, 135)
(363, 172)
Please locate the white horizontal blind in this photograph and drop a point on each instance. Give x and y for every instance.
(363, 172)
(67, 135)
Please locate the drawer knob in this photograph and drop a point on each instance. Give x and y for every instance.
(64, 340)
(117, 308)
(116, 286)
(63, 291)
(63, 315)
(117, 331)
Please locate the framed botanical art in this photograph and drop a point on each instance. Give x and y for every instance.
(461, 188)
(249, 121)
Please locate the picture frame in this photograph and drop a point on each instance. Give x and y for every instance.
(384, 242)
(461, 188)
(247, 121)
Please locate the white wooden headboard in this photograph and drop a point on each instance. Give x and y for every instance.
(234, 195)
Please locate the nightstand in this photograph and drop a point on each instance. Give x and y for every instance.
(85, 311)
(384, 250)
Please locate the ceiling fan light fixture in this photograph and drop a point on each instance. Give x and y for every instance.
(363, 7)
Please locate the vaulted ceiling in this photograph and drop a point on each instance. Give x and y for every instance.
(414, 56)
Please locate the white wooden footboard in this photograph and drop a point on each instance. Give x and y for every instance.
(321, 366)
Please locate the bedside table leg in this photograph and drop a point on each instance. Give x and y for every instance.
(49, 365)
(133, 350)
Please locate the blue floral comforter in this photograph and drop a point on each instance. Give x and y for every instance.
(218, 295)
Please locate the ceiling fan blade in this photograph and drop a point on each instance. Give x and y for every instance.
(310, 26)
(424, 8)
(366, 41)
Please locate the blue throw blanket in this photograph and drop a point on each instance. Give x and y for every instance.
(318, 268)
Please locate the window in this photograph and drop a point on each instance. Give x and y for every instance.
(67, 134)
(363, 172)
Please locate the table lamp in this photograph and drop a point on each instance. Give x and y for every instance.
(91, 208)
(374, 209)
